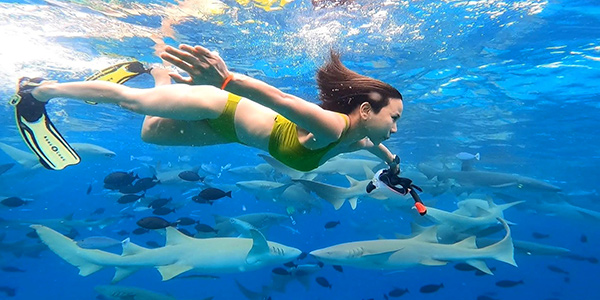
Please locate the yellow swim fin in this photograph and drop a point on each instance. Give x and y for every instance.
(37, 130)
(119, 73)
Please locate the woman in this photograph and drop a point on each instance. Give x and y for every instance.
(357, 112)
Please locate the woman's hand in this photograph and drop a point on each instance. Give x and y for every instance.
(203, 66)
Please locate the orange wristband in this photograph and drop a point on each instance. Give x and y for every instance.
(227, 80)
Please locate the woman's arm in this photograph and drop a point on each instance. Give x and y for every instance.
(382, 152)
(206, 67)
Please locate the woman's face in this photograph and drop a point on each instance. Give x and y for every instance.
(381, 125)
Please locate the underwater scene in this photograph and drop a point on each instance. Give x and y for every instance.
(498, 133)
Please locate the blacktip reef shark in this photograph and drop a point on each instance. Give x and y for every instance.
(423, 249)
(469, 178)
(180, 254)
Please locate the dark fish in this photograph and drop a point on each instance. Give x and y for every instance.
(153, 223)
(32, 234)
(146, 183)
(508, 283)
(323, 282)
(163, 211)
(152, 244)
(592, 260)
(280, 271)
(200, 227)
(160, 202)
(213, 194)
(290, 264)
(302, 255)
(130, 189)
(130, 198)
(338, 268)
(538, 235)
(186, 232)
(98, 211)
(583, 238)
(122, 232)
(72, 233)
(484, 297)
(10, 292)
(89, 189)
(464, 267)
(11, 269)
(115, 180)
(331, 224)
(13, 202)
(431, 288)
(190, 176)
(139, 231)
(185, 221)
(397, 292)
(557, 269)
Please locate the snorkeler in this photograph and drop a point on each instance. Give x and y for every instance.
(356, 112)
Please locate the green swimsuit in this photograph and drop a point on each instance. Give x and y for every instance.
(283, 142)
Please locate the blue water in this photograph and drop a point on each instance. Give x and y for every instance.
(516, 81)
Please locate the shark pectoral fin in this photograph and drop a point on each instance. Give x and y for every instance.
(169, 271)
(353, 202)
(432, 262)
(480, 265)
(121, 273)
(88, 268)
(260, 247)
(381, 257)
(508, 184)
(130, 248)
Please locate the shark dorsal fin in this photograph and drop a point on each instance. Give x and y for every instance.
(353, 182)
(259, 247)
(428, 235)
(130, 248)
(490, 202)
(368, 172)
(69, 217)
(175, 237)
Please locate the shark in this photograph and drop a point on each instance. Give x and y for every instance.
(470, 179)
(423, 249)
(29, 161)
(259, 221)
(180, 254)
(485, 217)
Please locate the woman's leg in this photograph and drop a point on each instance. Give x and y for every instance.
(176, 101)
(169, 132)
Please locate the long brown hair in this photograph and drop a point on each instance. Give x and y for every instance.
(342, 90)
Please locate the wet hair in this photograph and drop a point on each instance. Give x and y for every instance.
(343, 90)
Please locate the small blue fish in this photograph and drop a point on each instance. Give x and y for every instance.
(465, 156)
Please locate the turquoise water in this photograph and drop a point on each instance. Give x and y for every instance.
(515, 81)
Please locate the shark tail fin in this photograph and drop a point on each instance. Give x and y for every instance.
(504, 249)
(68, 250)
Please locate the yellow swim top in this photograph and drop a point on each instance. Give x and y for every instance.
(286, 148)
